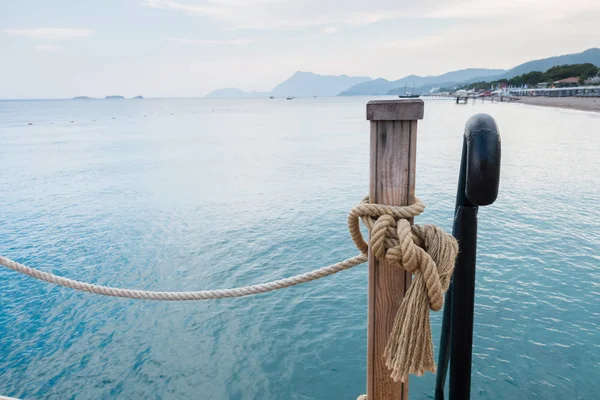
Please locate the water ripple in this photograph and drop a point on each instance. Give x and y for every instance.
(239, 192)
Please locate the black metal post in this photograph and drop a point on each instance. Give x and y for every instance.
(478, 183)
(444, 357)
(463, 303)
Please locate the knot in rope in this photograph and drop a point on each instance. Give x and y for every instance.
(427, 252)
(394, 239)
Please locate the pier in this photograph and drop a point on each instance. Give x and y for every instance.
(498, 99)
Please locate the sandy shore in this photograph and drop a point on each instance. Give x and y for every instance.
(575, 103)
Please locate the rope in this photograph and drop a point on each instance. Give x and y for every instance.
(427, 252)
(197, 295)
(424, 250)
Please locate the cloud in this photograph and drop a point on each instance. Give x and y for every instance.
(200, 9)
(213, 42)
(284, 14)
(535, 10)
(322, 14)
(50, 33)
(426, 41)
(331, 29)
(49, 48)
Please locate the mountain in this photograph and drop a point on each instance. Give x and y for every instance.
(383, 86)
(301, 84)
(470, 75)
(544, 64)
(464, 74)
(588, 56)
(376, 86)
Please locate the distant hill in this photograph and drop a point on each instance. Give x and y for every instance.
(588, 56)
(309, 84)
(301, 84)
(383, 86)
(376, 86)
(464, 74)
(114, 97)
(470, 75)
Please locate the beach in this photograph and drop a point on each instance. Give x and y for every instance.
(575, 103)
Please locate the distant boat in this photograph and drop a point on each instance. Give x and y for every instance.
(408, 95)
(272, 97)
(290, 98)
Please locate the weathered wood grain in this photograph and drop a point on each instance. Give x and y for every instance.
(392, 181)
(395, 110)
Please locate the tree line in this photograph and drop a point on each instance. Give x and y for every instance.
(581, 71)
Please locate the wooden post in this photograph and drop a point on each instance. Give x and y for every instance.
(392, 181)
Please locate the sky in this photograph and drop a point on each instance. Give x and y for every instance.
(186, 48)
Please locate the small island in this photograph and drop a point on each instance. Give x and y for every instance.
(140, 97)
(114, 97)
(82, 98)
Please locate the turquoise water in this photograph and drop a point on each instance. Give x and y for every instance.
(198, 194)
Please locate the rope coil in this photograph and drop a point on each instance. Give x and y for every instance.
(427, 252)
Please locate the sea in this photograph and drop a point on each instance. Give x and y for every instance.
(192, 194)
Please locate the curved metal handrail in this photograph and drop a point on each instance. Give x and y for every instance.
(478, 183)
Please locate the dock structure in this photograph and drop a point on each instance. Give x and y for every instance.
(445, 95)
(500, 99)
(496, 98)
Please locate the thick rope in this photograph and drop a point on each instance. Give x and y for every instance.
(424, 250)
(197, 295)
(427, 252)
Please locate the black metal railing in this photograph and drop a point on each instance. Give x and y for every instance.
(477, 186)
